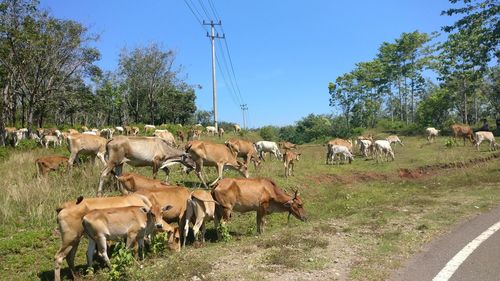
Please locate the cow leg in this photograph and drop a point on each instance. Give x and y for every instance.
(220, 170)
(189, 214)
(92, 159)
(64, 252)
(102, 249)
(90, 252)
(104, 174)
(198, 168)
(261, 212)
(72, 158)
(100, 155)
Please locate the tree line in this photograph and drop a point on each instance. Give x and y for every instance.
(49, 76)
(397, 83)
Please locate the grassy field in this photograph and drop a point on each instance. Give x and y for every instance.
(365, 219)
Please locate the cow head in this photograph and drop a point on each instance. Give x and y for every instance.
(155, 214)
(243, 169)
(174, 240)
(296, 207)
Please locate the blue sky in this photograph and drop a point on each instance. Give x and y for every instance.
(284, 52)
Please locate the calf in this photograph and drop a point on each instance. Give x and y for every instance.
(214, 154)
(366, 147)
(268, 146)
(383, 149)
(337, 141)
(211, 130)
(70, 217)
(132, 223)
(257, 194)
(244, 149)
(431, 134)
(463, 131)
(50, 163)
(482, 136)
(201, 208)
(287, 145)
(47, 139)
(289, 159)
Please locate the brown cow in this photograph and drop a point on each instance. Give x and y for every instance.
(244, 149)
(287, 145)
(289, 159)
(70, 217)
(86, 144)
(131, 182)
(258, 194)
(463, 131)
(214, 154)
(50, 163)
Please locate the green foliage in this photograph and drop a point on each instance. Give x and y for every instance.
(313, 128)
(121, 261)
(270, 133)
(451, 142)
(158, 243)
(4, 153)
(223, 231)
(26, 145)
(434, 109)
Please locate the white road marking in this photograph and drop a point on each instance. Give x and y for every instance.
(461, 256)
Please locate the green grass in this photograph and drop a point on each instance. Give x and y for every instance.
(364, 215)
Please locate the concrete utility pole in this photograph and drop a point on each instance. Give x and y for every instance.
(244, 107)
(214, 83)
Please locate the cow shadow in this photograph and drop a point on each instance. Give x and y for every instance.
(48, 275)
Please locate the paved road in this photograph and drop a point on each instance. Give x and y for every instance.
(482, 264)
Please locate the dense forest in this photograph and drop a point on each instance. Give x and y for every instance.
(49, 77)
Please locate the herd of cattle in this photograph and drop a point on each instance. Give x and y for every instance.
(150, 205)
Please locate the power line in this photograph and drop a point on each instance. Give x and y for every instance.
(195, 14)
(232, 84)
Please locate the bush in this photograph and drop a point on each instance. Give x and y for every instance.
(269, 133)
(26, 145)
(121, 260)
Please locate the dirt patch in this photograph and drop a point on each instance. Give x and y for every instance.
(350, 178)
(435, 168)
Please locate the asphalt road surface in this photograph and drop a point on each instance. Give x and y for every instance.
(470, 251)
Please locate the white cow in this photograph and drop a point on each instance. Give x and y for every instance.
(107, 133)
(211, 130)
(120, 130)
(90, 133)
(365, 146)
(383, 148)
(51, 139)
(268, 146)
(431, 133)
(342, 151)
(481, 136)
(394, 139)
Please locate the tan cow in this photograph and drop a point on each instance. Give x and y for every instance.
(258, 194)
(214, 154)
(394, 139)
(131, 182)
(50, 163)
(482, 136)
(70, 217)
(140, 152)
(237, 128)
(221, 132)
(132, 222)
(287, 145)
(463, 131)
(289, 159)
(86, 144)
(244, 149)
(72, 131)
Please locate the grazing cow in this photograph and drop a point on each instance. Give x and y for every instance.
(211, 130)
(176, 196)
(482, 136)
(51, 139)
(244, 149)
(337, 141)
(140, 152)
(86, 144)
(237, 128)
(50, 163)
(383, 148)
(70, 217)
(73, 131)
(21, 134)
(131, 182)
(167, 136)
(287, 145)
(132, 222)
(394, 139)
(180, 135)
(268, 146)
(194, 134)
(463, 131)
(120, 130)
(221, 132)
(334, 150)
(366, 147)
(214, 154)
(289, 159)
(431, 134)
(201, 208)
(257, 194)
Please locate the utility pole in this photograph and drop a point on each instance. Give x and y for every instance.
(244, 107)
(214, 83)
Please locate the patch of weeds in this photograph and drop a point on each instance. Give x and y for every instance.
(26, 145)
(450, 142)
(287, 257)
(158, 243)
(121, 261)
(223, 230)
(4, 154)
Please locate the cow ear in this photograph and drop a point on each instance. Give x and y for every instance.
(288, 204)
(166, 208)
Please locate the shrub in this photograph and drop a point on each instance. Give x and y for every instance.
(120, 262)
(26, 145)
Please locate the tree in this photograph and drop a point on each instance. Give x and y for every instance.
(344, 93)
